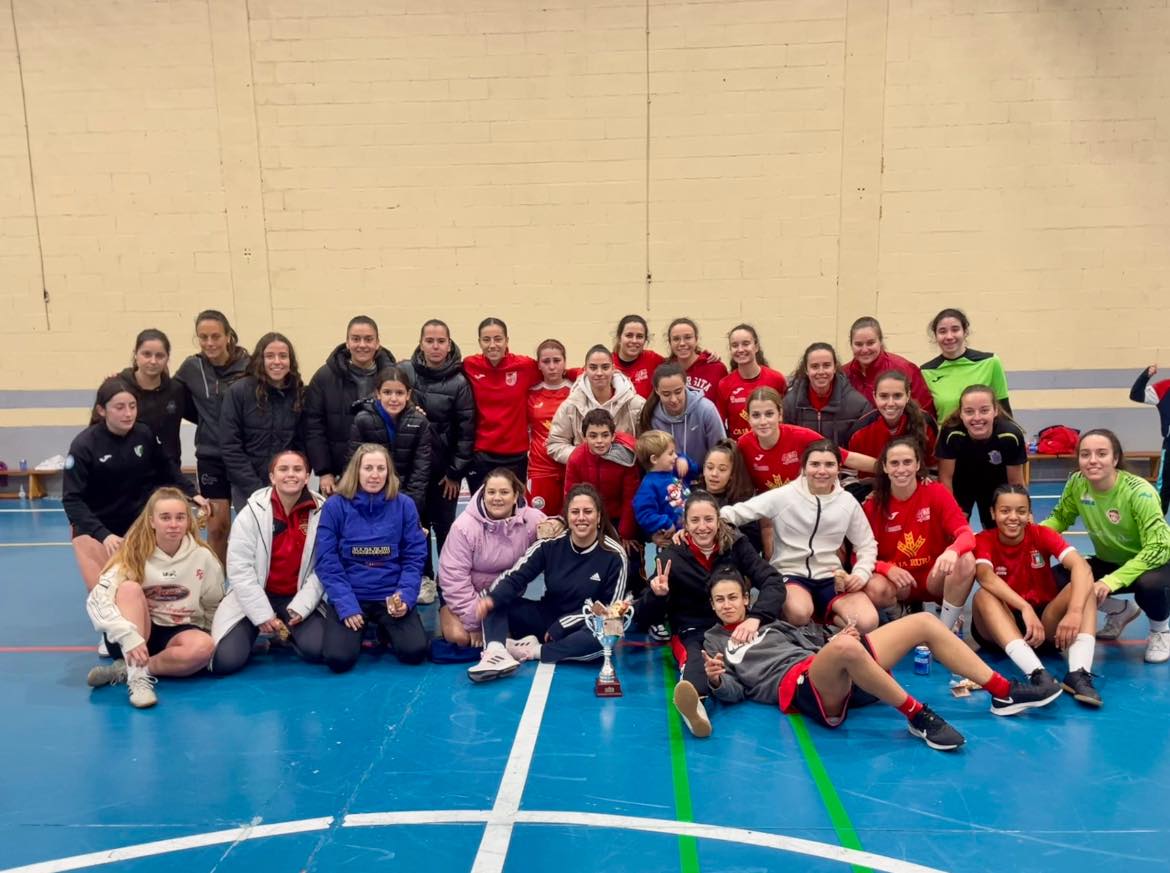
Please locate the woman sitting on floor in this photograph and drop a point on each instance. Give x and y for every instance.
(802, 672)
(155, 600)
(272, 589)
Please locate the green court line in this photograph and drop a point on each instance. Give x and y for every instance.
(846, 833)
(688, 848)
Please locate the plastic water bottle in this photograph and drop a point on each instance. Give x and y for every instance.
(23, 465)
(956, 679)
(22, 495)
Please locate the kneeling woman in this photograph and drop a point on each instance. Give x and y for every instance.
(924, 541)
(270, 554)
(369, 558)
(586, 562)
(1018, 607)
(811, 518)
(801, 672)
(155, 600)
(487, 539)
(678, 593)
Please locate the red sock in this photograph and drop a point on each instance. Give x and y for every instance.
(997, 686)
(909, 707)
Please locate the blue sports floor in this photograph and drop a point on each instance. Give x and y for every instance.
(286, 767)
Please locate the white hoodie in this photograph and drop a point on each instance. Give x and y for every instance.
(625, 405)
(809, 528)
(184, 588)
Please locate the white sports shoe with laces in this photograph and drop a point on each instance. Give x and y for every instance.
(141, 685)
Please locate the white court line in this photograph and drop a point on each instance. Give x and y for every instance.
(161, 847)
(27, 545)
(51, 509)
(493, 848)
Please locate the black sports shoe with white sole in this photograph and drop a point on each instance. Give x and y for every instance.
(1040, 690)
(932, 729)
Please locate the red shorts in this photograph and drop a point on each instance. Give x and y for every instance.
(546, 493)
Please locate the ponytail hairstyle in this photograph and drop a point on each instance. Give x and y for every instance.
(492, 322)
(584, 489)
(739, 485)
(769, 394)
(1118, 454)
(234, 351)
(825, 445)
(915, 418)
(881, 480)
(627, 320)
(1008, 488)
(433, 322)
(548, 344)
(725, 534)
(728, 574)
(760, 359)
(663, 371)
(950, 312)
(955, 419)
(689, 323)
(263, 383)
(105, 393)
(140, 541)
(145, 336)
(395, 373)
(800, 374)
(871, 322)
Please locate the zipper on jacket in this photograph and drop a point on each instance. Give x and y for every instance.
(811, 537)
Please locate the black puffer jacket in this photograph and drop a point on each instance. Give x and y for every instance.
(206, 387)
(329, 402)
(444, 393)
(837, 420)
(160, 409)
(250, 436)
(411, 450)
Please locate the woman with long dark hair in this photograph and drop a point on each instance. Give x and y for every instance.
(821, 398)
(704, 371)
(751, 372)
(871, 359)
(161, 399)
(630, 355)
(959, 366)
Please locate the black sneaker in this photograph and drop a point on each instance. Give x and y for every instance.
(1040, 690)
(934, 731)
(1079, 683)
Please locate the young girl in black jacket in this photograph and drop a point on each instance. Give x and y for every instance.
(391, 419)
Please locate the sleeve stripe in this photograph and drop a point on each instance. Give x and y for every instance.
(1065, 552)
(984, 561)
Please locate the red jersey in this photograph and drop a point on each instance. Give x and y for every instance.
(866, 382)
(640, 371)
(289, 533)
(771, 468)
(873, 437)
(501, 401)
(915, 532)
(1026, 566)
(543, 403)
(731, 397)
(705, 374)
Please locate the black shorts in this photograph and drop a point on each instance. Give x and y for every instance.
(822, 591)
(797, 693)
(160, 638)
(990, 645)
(213, 479)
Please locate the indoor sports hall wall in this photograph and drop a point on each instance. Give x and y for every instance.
(794, 163)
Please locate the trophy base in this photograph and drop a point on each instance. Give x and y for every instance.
(610, 688)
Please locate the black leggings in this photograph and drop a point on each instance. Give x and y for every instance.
(522, 618)
(690, 639)
(405, 635)
(440, 516)
(1151, 590)
(234, 650)
(483, 463)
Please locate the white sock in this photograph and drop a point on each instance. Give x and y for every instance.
(1112, 605)
(1160, 626)
(1024, 656)
(949, 614)
(494, 646)
(1080, 653)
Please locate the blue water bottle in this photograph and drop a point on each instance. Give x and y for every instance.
(23, 465)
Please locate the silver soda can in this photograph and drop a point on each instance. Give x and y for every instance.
(922, 659)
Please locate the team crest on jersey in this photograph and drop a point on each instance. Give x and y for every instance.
(199, 574)
(538, 503)
(995, 457)
(775, 482)
(138, 450)
(170, 407)
(1037, 560)
(641, 375)
(511, 378)
(911, 545)
(923, 514)
(1114, 515)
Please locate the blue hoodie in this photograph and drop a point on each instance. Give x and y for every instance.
(658, 504)
(697, 429)
(367, 549)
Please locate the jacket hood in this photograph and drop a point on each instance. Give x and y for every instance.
(261, 499)
(338, 360)
(127, 376)
(450, 366)
(186, 547)
(694, 395)
(622, 451)
(800, 486)
(581, 395)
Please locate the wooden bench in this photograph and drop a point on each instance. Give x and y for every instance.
(1134, 460)
(36, 482)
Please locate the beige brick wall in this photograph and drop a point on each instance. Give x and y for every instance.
(795, 163)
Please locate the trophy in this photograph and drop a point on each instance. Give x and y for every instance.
(608, 623)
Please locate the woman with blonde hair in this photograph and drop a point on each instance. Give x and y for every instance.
(155, 600)
(369, 558)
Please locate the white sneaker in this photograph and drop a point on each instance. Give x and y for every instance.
(1158, 647)
(493, 663)
(1115, 622)
(141, 685)
(427, 591)
(526, 649)
(107, 674)
(690, 707)
(103, 649)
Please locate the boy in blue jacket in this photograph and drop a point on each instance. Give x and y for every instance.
(658, 503)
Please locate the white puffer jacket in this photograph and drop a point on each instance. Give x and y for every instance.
(564, 433)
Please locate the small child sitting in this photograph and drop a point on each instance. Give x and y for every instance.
(606, 461)
(658, 505)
